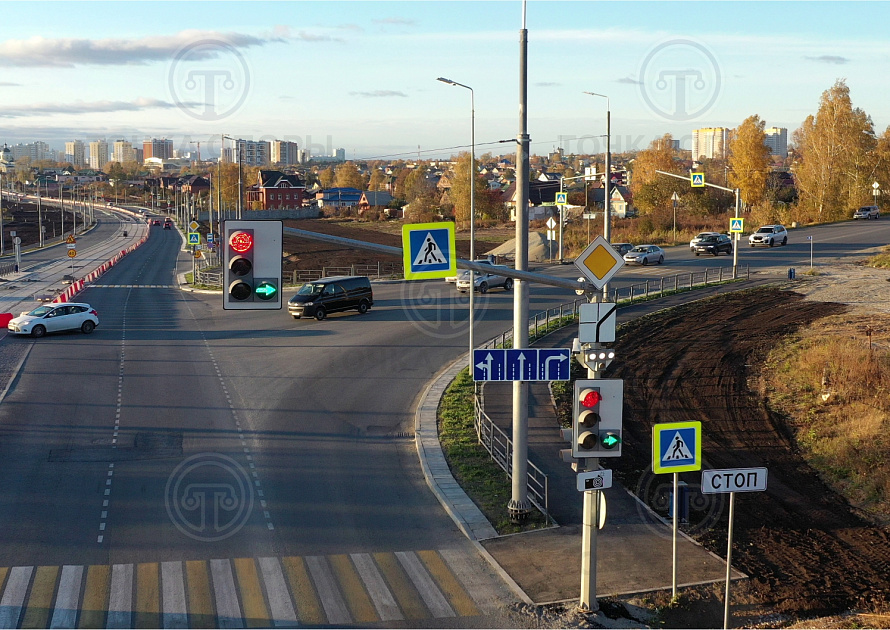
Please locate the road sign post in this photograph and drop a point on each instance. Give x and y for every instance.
(676, 448)
(732, 481)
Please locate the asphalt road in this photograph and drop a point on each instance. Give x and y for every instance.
(179, 433)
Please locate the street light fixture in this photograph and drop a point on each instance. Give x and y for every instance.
(607, 199)
(472, 201)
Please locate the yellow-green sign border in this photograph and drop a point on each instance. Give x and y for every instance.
(656, 446)
(741, 229)
(407, 229)
(692, 180)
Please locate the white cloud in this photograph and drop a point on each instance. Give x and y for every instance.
(81, 107)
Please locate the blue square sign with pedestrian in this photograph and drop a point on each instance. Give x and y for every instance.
(428, 251)
(676, 447)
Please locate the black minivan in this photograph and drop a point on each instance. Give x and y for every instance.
(330, 295)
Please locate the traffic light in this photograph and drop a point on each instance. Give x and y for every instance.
(253, 253)
(596, 418)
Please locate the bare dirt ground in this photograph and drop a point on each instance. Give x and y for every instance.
(807, 550)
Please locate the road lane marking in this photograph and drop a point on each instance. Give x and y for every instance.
(280, 606)
(461, 602)
(201, 613)
(14, 596)
(148, 605)
(384, 603)
(120, 599)
(427, 588)
(255, 613)
(228, 610)
(334, 607)
(404, 591)
(175, 614)
(41, 598)
(95, 597)
(360, 606)
(67, 599)
(305, 598)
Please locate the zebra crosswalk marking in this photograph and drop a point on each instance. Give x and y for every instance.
(384, 604)
(175, 613)
(280, 606)
(148, 605)
(41, 598)
(306, 600)
(255, 612)
(95, 597)
(14, 596)
(360, 606)
(432, 597)
(461, 602)
(331, 600)
(228, 612)
(120, 598)
(201, 614)
(65, 612)
(406, 595)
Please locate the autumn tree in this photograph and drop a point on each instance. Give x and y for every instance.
(749, 160)
(326, 178)
(651, 190)
(378, 179)
(487, 206)
(348, 175)
(417, 185)
(834, 160)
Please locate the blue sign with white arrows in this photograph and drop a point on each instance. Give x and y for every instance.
(522, 364)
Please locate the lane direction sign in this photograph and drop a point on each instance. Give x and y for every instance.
(428, 250)
(597, 322)
(676, 447)
(522, 364)
(599, 262)
(733, 480)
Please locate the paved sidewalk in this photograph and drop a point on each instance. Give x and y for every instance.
(634, 548)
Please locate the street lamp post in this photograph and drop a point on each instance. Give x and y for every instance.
(675, 199)
(607, 198)
(472, 203)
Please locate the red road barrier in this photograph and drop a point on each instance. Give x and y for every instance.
(4, 319)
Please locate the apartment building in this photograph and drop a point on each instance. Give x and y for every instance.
(777, 141)
(123, 151)
(75, 153)
(709, 143)
(285, 153)
(154, 148)
(98, 154)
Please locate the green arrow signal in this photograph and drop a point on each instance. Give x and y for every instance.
(266, 291)
(610, 440)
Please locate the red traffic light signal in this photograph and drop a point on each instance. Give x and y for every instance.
(241, 241)
(597, 418)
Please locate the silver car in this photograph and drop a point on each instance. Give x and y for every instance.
(484, 281)
(645, 254)
(55, 318)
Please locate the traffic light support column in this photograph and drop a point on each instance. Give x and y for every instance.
(590, 524)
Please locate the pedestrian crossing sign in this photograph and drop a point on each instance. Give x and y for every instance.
(194, 238)
(676, 447)
(428, 250)
(697, 180)
(736, 225)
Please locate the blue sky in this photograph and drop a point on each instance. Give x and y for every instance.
(362, 75)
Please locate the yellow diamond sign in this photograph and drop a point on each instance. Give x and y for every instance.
(599, 262)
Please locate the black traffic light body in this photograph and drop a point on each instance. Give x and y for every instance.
(597, 418)
(252, 265)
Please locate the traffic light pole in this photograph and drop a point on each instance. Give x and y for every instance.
(590, 523)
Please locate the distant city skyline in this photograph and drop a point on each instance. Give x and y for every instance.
(362, 75)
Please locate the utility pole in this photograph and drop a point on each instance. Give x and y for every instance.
(198, 142)
(519, 506)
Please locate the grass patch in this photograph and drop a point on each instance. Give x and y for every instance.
(473, 468)
(881, 261)
(845, 437)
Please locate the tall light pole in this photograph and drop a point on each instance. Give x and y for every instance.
(607, 201)
(1, 214)
(472, 203)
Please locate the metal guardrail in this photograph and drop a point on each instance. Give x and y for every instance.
(214, 277)
(496, 441)
(7, 268)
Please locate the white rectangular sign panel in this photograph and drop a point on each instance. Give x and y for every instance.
(733, 480)
(596, 480)
(597, 322)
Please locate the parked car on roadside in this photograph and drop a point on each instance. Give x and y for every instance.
(769, 235)
(622, 248)
(484, 281)
(714, 245)
(645, 254)
(867, 212)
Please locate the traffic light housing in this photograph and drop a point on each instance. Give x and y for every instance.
(597, 418)
(252, 265)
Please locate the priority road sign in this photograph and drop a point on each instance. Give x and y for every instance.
(736, 225)
(676, 447)
(522, 364)
(733, 480)
(193, 226)
(428, 250)
(697, 180)
(194, 238)
(599, 262)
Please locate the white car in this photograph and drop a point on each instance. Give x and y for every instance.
(484, 281)
(55, 318)
(867, 212)
(645, 254)
(481, 261)
(769, 235)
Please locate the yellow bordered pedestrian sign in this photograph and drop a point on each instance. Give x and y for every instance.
(194, 238)
(697, 180)
(736, 225)
(428, 250)
(562, 199)
(676, 447)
